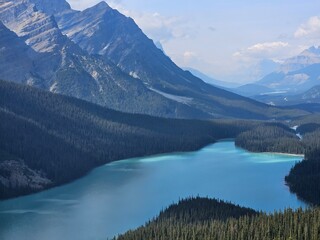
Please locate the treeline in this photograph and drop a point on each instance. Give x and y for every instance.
(272, 137)
(304, 177)
(62, 138)
(189, 220)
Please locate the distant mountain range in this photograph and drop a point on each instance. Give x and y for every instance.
(210, 80)
(295, 76)
(311, 96)
(102, 56)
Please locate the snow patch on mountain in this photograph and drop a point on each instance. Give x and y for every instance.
(134, 75)
(180, 99)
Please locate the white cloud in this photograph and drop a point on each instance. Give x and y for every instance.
(188, 55)
(259, 51)
(259, 59)
(309, 29)
(268, 46)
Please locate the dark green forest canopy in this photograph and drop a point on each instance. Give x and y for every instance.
(209, 219)
(59, 138)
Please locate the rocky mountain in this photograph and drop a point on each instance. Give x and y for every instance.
(62, 67)
(308, 57)
(101, 56)
(295, 75)
(312, 94)
(16, 58)
(294, 81)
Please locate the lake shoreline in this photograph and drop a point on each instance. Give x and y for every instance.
(285, 154)
(52, 186)
(126, 194)
(147, 156)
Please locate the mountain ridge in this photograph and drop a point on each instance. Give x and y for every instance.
(296, 74)
(69, 70)
(107, 59)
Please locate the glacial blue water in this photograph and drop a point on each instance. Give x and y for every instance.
(125, 194)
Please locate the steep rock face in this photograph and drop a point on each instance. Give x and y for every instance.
(56, 53)
(17, 177)
(53, 6)
(40, 31)
(63, 67)
(111, 62)
(104, 31)
(16, 58)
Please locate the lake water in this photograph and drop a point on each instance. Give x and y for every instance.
(123, 195)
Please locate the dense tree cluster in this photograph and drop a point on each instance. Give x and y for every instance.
(196, 209)
(65, 137)
(304, 177)
(202, 219)
(272, 137)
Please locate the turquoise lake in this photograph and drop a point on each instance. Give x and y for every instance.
(125, 194)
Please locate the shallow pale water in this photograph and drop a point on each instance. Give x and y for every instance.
(123, 195)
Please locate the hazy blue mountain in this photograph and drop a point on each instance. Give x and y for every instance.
(296, 74)
(294, 81)
(211, 80)
(308, 57)
(311, 96)
(267, 66)
(251, 89)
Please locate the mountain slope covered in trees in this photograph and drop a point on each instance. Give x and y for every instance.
(55, 139)
(304, 177)
(208, 219)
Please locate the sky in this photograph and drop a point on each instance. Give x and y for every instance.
(229, 40)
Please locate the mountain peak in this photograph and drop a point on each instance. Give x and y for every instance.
(39, 30)
(101, 6)
(52, 7)
(314, 50)
(306, 58)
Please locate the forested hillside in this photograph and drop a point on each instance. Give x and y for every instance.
(304, 177)
(48, 139)
(207, 219)
(272, 137)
